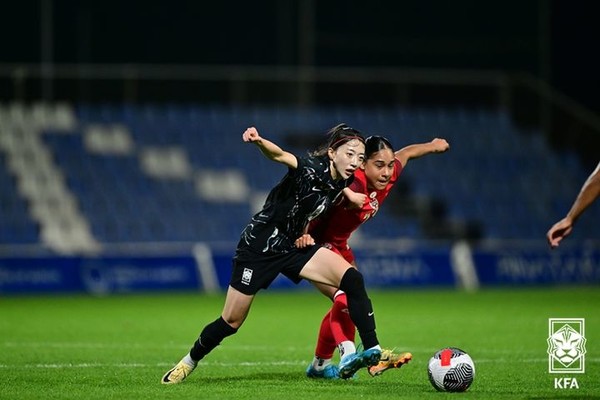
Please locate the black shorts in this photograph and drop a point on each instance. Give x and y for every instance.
(253, 271)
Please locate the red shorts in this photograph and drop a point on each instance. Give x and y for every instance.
(345, 252)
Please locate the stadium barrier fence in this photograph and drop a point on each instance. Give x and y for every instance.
(204, 268)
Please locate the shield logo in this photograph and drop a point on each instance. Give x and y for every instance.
(566, 345)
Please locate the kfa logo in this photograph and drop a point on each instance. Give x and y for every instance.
(566, 350)
(565, 383)
(246, 276)
(566, 345)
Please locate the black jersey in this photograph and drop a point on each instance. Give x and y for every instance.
(303, 194)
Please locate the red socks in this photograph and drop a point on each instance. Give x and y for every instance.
(342, 326)
(336, 327)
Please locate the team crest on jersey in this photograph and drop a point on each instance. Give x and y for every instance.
(247, 276)
(374, 203)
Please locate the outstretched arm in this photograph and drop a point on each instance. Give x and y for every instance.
(589, 192)
(270, 149)
(420, 149)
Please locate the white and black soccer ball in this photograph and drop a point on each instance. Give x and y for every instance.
(451, 370)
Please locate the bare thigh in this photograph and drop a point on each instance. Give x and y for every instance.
(236, 308)
(325, 267)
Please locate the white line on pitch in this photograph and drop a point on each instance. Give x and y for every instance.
(223, 364)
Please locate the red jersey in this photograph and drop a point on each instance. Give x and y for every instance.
(334, 229)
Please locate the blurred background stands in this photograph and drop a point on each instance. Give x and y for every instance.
(75, 178)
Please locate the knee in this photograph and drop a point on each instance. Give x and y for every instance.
(352, 282)
(233, 321)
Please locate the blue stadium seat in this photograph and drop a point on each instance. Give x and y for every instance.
(506, 178)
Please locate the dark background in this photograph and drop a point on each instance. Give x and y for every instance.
(554, 40)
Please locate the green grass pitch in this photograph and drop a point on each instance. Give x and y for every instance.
(118, 347)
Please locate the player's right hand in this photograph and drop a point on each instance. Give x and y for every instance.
(251, 135)
(558, 232)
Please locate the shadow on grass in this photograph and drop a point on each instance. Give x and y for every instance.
(265, 376)
(283, 378)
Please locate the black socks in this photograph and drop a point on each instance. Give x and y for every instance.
(360, 307)
(211, 336)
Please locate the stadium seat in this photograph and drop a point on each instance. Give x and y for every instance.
(143, 173)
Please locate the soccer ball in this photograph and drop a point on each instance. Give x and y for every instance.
(451, 370)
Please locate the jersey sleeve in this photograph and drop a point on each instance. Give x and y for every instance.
(316, 163)
(397, 169)
(302, 162)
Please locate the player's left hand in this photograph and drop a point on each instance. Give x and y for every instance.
(440, 145)
(304, 241)
(355, 200)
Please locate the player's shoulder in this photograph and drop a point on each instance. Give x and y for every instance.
(398, 168)
(359, 181)
(312, 161)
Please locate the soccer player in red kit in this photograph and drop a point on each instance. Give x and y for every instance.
(371, 186)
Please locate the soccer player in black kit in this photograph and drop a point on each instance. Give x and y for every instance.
(267, 247)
